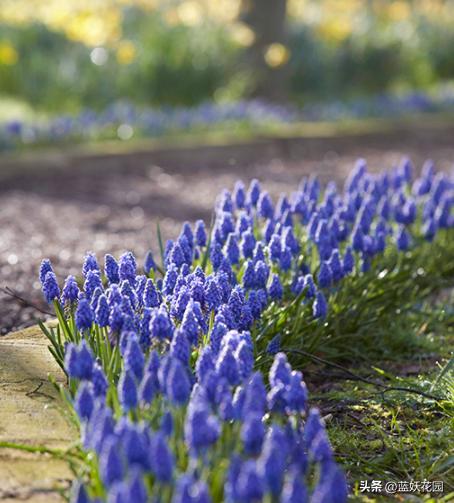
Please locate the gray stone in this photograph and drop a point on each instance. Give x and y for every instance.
(32, 414)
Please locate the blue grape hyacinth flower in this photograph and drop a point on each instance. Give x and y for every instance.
(51, 290)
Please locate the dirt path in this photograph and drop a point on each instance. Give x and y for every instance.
(61, 206)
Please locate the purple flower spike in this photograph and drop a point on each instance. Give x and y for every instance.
(51, 289)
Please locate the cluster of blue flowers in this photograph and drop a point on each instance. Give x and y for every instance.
(383, 105)
(183, 415)
(215, 434)
(124, 120)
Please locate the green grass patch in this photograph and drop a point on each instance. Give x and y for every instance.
(389, 434)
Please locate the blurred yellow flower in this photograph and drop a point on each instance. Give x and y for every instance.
(226, 11)
(92, 28)
(437, 8)
(276, 55)
(98, 22)
(92, 22)
(242, 34)
(335, 30)
(297, 8)
(399, 10)
(126, 52)
(190, 13)
(8, 55)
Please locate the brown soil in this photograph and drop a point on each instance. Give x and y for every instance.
(61, 206)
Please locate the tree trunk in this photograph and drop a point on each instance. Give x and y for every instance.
(267, 19)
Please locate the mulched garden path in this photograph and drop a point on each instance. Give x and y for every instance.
(112, 203)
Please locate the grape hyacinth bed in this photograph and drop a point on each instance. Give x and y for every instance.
(183, 373)
(124, 120)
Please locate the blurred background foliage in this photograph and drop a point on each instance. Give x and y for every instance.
(64, 55)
